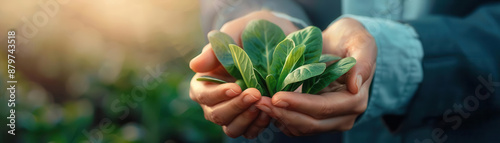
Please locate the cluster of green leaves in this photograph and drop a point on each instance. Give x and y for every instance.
(272, 61)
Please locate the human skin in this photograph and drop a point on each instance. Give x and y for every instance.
(338, 106)
(225, 104)
(297, 114)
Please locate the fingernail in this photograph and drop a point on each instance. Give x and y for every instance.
(359, 81)
(252, 108)
(264, 108)
(281, 104)
(249, 98)
(231, 93)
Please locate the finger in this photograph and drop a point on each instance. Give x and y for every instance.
(257, 126)
(300, 124)
(265, 106)
(331, 43)
(206, 61)
(242, 122)
(320, 106)
(234, 29)
(223, 113)
(365, 53)
(210, 93)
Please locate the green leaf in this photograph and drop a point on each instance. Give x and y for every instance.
(220, 44)
(262, 82)
(294, 86)
(271, 63)
(260, 37)
(244, 65)
(304, 72)
(299, 63)
(271, 84)
(291, 61)
(242, 84)
(311, 37)
(332, 72)
(210, 79)
(328, 58)
(282, 50)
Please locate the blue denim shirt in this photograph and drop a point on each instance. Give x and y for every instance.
(460, 41)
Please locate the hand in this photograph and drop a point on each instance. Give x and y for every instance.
(341, 103)
(226, 104)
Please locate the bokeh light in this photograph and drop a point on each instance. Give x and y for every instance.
(85, 67)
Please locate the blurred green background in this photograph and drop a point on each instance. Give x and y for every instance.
(110, 71)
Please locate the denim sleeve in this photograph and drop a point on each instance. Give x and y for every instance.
(399, 68)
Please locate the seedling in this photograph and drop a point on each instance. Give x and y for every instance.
(272, 62)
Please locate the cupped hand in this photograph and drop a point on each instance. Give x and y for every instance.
(225, 104)
(338, 106)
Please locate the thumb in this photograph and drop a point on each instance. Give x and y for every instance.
(206, 61)
(358, 75)
(365, 56)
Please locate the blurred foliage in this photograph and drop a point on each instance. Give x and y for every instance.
(165, 114)
(83, 72)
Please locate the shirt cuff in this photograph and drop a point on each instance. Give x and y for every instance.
(399, 67)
